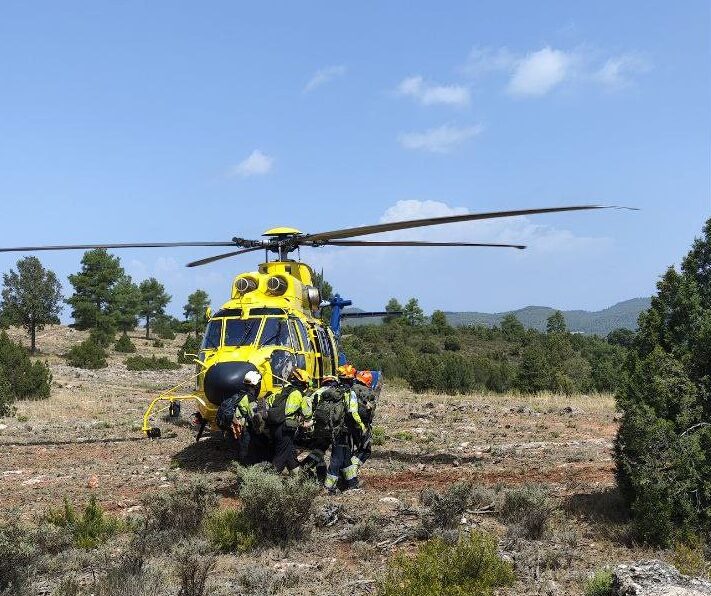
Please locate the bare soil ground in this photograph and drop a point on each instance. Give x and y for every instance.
(86, 440)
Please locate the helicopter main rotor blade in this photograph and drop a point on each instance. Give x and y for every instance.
(223, 256)
(113, 245)
(415, 243)
(434, 221)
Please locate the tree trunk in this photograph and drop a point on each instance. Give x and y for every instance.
(148, 326)
(33, 334)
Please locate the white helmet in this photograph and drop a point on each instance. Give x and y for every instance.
(252, 377)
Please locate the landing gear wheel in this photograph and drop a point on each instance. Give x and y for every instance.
(174, 410)
(153, 433)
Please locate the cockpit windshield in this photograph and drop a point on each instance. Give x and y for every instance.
(241, 332)
(275, 333)
(213, 332)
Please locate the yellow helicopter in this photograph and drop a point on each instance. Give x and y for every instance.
(271, 322)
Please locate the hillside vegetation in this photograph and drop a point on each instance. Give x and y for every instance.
(436, 356)
(622, 315)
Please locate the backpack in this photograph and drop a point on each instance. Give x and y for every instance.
(329, 414)
(366, 403)
(226, 412)
(277, 410)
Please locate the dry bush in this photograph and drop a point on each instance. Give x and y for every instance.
(18, 551)
(527, 509)
(444, 509)
(264, 581)
(277, 509)
(181, 510)
(365, 530)
(193, 563)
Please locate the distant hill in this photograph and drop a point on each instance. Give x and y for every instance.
(600, 322)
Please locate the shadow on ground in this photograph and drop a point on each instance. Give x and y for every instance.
(212, 454)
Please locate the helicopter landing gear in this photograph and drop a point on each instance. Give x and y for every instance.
(153, 433)
(174, 409)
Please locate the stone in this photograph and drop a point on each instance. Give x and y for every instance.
(655, 578)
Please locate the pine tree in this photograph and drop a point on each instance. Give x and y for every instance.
(439, 321)
(663, 446)
(512, 328)
(94, 297)
(153, 301)
(413, 314)
(31, 297)
(126, 304)
(556, 323)
(195, 309)
(392, 306)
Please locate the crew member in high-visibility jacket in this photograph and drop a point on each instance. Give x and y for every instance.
(287, 410)
(321, 435)
(252, 448)
(367, 398)
(345, 435)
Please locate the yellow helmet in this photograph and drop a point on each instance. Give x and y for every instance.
(299, 375)
(347, 371)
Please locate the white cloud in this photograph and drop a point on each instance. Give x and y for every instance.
(539, 72)
(482, 61)
(324, 75)
(438, 140)
(618, 71)
(429, 94)
(256, 164)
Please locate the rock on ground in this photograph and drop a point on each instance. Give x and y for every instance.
(655, 578)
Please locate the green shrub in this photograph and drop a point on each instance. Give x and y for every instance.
(150, 363)
(124, 345)
(165, 326)
(191, 345)
(7, 397)
(228, 530)
(87, 354)
(600, 584)
(688, 557)
(17, 551)
(193, 564)
(103, 335)
(278, 509)
(452, 344)
(404, 435)
(528, 508)
(182, 509)
(429, 347)
(379, 436)
(472, 566)
(90, 528)
(20, 378)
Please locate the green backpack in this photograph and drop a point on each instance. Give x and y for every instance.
(329, 414)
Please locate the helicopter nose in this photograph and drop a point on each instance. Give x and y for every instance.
(224, 379)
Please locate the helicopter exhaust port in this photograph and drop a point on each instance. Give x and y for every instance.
(276, 285)
(245, 284)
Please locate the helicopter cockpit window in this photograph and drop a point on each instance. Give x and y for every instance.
(213, 332)
(275, 333)
(241, 332)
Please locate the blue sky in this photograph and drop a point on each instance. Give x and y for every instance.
(160, 121)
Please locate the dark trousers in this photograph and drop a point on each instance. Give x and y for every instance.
(284, 449)
(315, 462)
(340, 465)
(363, 450)
(254, 447)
